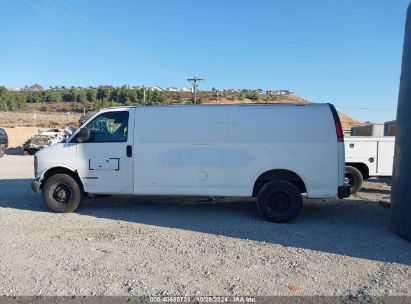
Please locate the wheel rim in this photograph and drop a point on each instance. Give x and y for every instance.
(280, 202)
(349, 180)
(62, 193)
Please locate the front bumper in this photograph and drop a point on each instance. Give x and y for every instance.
(35, 185)
(343, 192)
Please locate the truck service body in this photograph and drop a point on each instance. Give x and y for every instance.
(268, 151)
(368, 156)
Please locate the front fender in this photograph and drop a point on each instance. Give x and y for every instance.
(41, 174)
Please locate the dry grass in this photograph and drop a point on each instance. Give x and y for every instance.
(45, 120)
(59, 115)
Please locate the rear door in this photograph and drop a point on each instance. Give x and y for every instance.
(105, 164)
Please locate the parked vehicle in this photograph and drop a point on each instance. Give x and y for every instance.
(366, 157)
(45, 138)
(272, 152)
(4, 142)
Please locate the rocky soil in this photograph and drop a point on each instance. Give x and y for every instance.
(180, 246)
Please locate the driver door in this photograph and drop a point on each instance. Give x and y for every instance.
(105, 163)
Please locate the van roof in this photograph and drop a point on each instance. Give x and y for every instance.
(221, 105)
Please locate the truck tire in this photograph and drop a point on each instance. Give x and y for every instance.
(62, 193)
(279, 201)
(353, 178)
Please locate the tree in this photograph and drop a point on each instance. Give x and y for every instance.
(52, 97)
(35, 87)
(68, 96)
(103, 92)
(3, 105)
(81, 96)
(252, 96)
(91, 95)
(3, 91)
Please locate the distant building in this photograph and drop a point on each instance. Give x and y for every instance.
(35, 88)
(258, 91)
(172, 89)
(155, 88)
(234, 90)
(286, 92)
(280, 92)
(15, 89)
(186, 90)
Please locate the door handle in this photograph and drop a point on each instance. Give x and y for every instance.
(129, 151)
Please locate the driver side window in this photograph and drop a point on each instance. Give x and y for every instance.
(109, 127)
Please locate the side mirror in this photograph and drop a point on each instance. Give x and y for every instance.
(83, 135)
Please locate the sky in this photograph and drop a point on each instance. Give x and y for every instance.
(344, 52)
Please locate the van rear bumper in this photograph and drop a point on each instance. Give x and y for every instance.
(343, 191)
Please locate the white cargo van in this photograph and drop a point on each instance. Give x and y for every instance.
(272, 152)
(367, 156)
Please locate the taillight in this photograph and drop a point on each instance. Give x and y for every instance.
(35, 166)
(339, 131)
(337, 122)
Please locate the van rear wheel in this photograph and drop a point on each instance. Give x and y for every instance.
(62, 193)
(279, 201)
(353, 178)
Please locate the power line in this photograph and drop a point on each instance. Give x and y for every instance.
(47, 14)
(91, 29)
(363, 108)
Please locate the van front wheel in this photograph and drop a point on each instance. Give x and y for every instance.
(279, 201)
(62, 193)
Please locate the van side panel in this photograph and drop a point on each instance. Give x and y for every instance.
(221, 150)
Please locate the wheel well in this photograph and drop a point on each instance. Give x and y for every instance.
(363, 168)
(62, 170)
(278, 174)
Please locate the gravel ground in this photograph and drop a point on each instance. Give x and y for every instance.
(176, 246)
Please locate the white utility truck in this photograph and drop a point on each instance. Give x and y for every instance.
(274, 152)
(367, 156)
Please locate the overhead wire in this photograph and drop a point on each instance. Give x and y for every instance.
(91, 29)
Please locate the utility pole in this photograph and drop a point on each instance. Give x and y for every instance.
(195, 86)
(400, 217)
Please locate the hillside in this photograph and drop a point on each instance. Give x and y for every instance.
(46, 114)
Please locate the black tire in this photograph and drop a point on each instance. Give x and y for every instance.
(353, 178)
(279, 201)
(62, 193)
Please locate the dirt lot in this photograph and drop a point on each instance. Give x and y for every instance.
(40, 119)
(163, 246)
(17, 137)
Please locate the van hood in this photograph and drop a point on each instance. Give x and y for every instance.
(57, 155)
